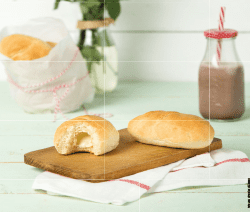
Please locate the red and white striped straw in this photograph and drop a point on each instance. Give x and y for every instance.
(222, 18)
(221, 27)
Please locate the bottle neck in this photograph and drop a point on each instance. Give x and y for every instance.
(225, 47)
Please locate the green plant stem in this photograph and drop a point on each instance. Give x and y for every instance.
(82, 38)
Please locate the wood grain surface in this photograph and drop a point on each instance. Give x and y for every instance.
(128, 158)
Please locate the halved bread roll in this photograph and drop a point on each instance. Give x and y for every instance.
(172, 129)
(23, 47)
(86, 134)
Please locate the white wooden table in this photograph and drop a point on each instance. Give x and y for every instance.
(21, 132)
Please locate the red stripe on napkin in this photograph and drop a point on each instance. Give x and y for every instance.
(233, 160)
(224, 161)
(134, 183)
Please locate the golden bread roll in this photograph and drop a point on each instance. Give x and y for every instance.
(172, 129)
(86, 134)
(23, 47)
(51, 44)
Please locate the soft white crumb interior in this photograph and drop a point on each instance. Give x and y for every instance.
(84, 140)
(79, 137)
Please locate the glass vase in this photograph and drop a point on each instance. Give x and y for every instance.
(104, 71)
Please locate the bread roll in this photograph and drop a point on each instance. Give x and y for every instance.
(86, 134)
(172, 129)
(23, 47)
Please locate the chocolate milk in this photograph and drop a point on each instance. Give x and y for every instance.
(226, 91)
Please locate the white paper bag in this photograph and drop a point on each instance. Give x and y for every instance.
(58, 82)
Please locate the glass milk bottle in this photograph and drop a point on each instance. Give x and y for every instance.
(221, 77)
(103, 74)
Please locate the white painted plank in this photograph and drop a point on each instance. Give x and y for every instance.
(237, 14)
(178, 47)
(160, 15)
(168, 56)
(164, 15)
(160, 47)
(124, 108)
(18, 171)
(165, 56)
(165, 71)
(159, 71)
(16, 146)
(187, 15)
(20, 177)
(17, 12)
(48, 203)
(234, 201)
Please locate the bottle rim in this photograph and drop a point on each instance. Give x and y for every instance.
(220, 34)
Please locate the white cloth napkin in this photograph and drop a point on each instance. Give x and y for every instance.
(219, 167)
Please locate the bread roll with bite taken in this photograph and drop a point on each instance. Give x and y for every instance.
(86, 134)
(172, 129)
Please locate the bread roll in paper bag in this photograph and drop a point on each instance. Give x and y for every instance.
(57, 82)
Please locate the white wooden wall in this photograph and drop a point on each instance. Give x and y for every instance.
(158, 40)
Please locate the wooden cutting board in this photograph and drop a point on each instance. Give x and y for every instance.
(130, 157)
